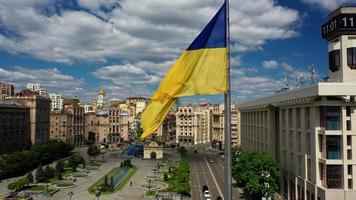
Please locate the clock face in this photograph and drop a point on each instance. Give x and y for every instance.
(339, 25)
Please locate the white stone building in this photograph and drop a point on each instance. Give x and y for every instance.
(311, 130)
(56, 101)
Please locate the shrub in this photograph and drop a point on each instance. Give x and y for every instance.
(93, 150)
(19, 184)
(29, 177)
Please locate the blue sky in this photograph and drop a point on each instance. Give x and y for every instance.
(126, 46)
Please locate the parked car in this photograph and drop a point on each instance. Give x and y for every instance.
(205, 188)
(219, 198)
(207, 194)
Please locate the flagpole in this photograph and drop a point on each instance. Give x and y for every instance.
(227, 168)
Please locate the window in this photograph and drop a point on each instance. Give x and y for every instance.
(348, 125)
(334, 176)
(330, 117)
(349, 154)
(333, 146)
(351, 57)
(334, 60)
(349, 169)
(349, 140)
(348, 111)
(350, 183)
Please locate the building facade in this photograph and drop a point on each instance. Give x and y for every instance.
(39, 113)
(61, 127)
(14, 127)
(311, 130)
(56, 101)
(6, 90)
(37, 87)
(73, 107)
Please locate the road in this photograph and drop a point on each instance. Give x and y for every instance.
(204, 172)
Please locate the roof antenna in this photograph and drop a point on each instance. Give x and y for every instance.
(312, 71)
(286, 87)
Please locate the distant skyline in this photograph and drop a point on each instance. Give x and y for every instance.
(73, 47)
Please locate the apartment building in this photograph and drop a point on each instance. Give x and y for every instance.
(218, 126)
(61, 126)
(311, 130)
(56, 101)
(188, 125)
(39, 113)
(14, 127)
(37, 87)
(6, 90)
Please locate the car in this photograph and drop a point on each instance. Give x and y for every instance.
(211, 161)
(207, 194)
(208, 198)
(219, 198)
(205, 188)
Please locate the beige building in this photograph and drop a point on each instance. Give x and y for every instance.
(167, 131)
(40, 107)
(61, 127)
(193, 125)
(218, 124)
(311, 130)
(6, 90)
(153, 150)
(107, 126)
(14, 127)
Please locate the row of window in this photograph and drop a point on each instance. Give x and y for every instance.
(334, 59)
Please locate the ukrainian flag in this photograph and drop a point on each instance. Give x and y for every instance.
(201, 69)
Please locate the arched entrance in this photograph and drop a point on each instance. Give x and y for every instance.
(91, 137)
(153, 155)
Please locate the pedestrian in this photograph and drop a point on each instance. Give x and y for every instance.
(130, 183)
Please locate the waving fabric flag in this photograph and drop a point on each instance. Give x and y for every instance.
(201, 69)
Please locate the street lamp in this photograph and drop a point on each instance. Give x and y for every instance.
(149, 185)
(70, 194)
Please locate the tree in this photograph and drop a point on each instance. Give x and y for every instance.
(106, 181)
(59, 166)
(93, 150)
(257, 172)
(73, 163)
(165, 177)
(29, 177)
(40, 175)
(48, 172)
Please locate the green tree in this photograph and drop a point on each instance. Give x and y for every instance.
(40, 175)
(59, 167)
(29, 177)
(48, 172)
(106, 181)
(257, 172)
(93, 150)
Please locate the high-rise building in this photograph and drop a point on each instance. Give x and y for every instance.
(6, 90)
(37, 87)
(14, 127)
(39, 113)
(310, 130)
(56, 101)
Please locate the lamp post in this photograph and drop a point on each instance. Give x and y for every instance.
(70, 194)
(149, 185)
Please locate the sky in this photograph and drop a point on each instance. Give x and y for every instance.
(126, 46)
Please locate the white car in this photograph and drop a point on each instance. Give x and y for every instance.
(207, 194)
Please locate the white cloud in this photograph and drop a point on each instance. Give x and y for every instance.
(327, 4)
(134, 30)
(125, 74)
(52, 78)
(270, 64)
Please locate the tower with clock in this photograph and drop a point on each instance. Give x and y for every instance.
(340, 32)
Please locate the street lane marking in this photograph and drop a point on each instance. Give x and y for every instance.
(206, 161)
